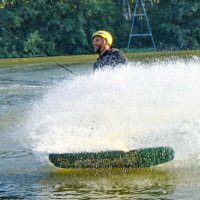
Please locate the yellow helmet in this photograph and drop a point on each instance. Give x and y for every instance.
(104, 34)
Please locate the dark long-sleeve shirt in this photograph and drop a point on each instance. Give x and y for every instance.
(112, 57)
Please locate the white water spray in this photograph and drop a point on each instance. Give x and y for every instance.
(128, 108)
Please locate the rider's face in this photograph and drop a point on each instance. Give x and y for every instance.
(98, 43)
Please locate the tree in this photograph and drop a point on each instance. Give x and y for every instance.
(176, 24)
(60, 27)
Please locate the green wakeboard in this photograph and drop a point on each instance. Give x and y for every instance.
(145, 157)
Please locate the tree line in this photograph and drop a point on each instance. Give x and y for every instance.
(61, 27)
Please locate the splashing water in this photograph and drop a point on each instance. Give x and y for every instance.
(131, 107)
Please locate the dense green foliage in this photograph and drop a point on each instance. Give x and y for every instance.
(176, 24)
(60, 27)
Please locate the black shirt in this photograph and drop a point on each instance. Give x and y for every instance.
(111, 57)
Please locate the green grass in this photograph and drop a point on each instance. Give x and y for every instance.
(68, 60)
(162, 54)
(82, 59)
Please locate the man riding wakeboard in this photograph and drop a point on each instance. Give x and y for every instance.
(102, 42)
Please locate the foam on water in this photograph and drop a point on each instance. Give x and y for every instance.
(131, 107)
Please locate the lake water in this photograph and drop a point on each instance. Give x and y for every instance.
(44, 109)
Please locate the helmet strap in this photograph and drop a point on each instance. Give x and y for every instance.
(103, 48)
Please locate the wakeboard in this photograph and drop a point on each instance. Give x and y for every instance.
(145, 157)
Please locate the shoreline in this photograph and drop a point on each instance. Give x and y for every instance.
(90, 58)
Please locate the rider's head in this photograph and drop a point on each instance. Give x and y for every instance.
(102, 40)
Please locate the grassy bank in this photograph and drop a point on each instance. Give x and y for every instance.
(163, 54)
(67, 60)
(81, 59)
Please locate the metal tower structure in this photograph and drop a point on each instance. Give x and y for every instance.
(140, 13)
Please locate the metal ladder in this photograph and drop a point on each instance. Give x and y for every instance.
(142, 14)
